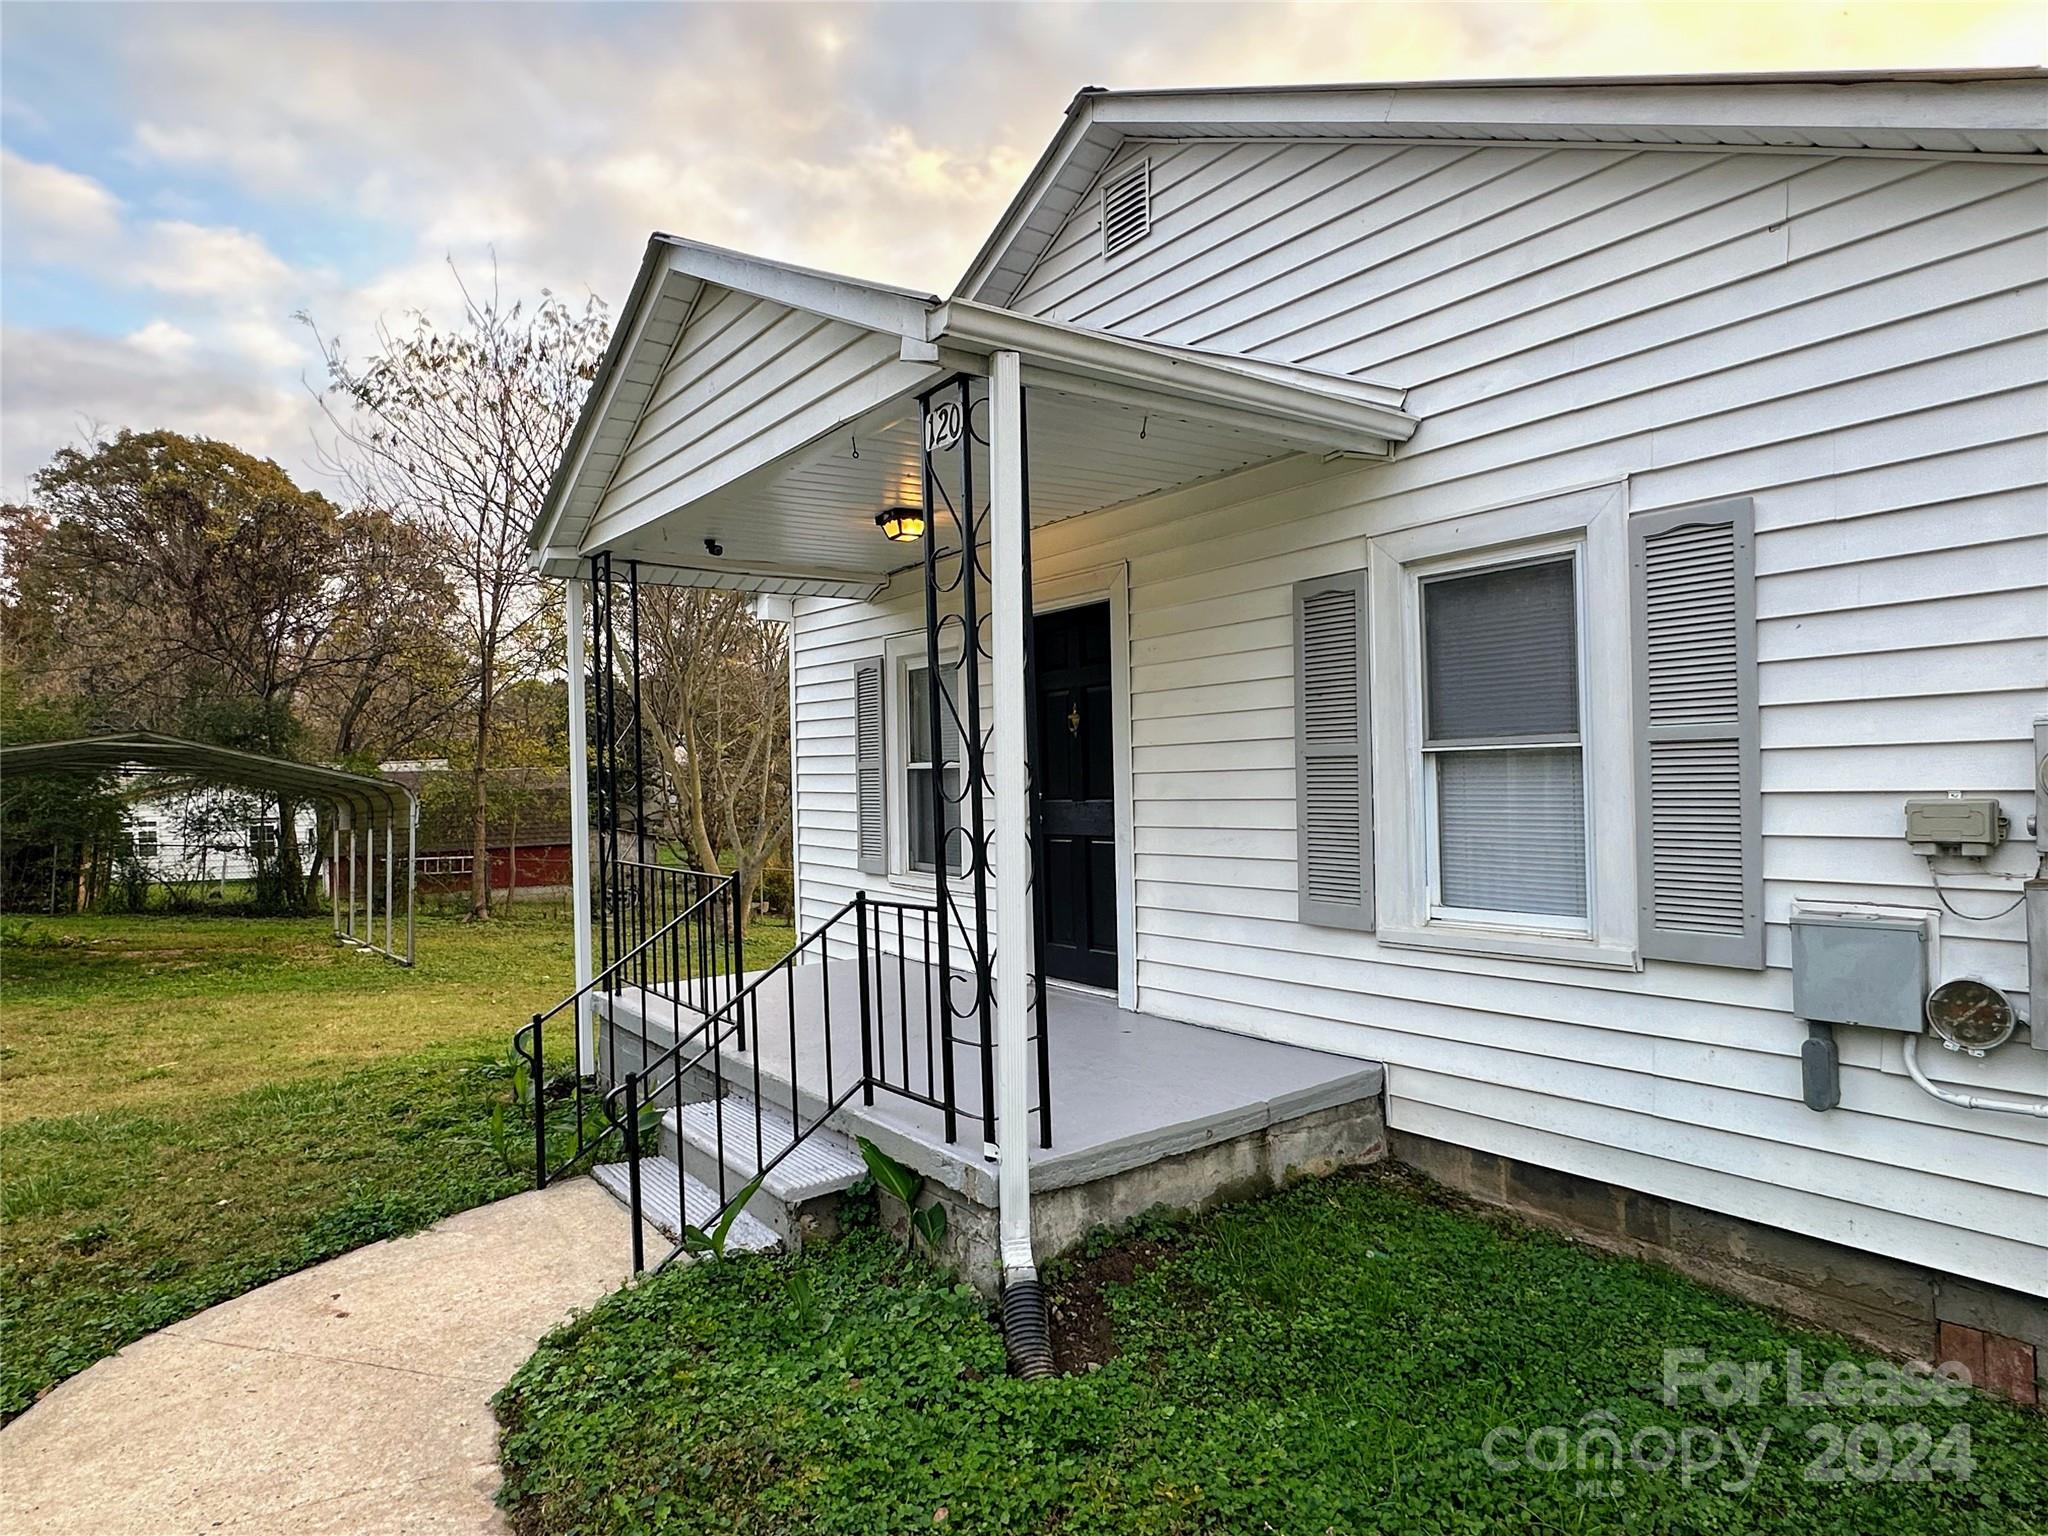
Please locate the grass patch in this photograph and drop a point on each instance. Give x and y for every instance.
(191, 1106)
(1331, 1359)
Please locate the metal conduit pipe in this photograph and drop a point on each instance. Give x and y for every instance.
(2037, 1108)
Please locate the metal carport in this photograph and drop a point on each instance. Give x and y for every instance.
(362, 805)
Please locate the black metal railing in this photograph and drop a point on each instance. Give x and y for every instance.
(817, 1042)
(688, 965)
(822, 1051)
(701, 964)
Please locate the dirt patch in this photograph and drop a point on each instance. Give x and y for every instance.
(1079, 1305)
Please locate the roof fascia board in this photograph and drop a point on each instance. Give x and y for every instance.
(1051, 162)
(1191, 381)
(1286, 429)
(599, 398)
(2009, 104)
(872, 306)
(760, 576)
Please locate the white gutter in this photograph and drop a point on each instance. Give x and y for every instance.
(1326, 407)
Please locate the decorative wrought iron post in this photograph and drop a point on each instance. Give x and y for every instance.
(943, 970)
(959, 815)
(640, 927)
(600, 734)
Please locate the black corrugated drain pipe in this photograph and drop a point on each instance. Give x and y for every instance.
(1027, 1331)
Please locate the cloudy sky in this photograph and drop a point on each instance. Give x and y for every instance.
(176, 182)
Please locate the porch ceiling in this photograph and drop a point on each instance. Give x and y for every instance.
(805, 523)
(774, 411)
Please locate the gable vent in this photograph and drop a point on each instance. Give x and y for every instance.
(1127, 208)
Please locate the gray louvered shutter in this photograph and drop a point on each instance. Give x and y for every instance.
(1333, 773)
(1692, 580)
(869, 767)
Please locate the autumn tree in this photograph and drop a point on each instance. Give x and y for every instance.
(183, 585)
(178, 583)
(458, 432)
(395, 676)
(715, 693)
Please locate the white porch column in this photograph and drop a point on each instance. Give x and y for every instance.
(579, 829)
(1011, 855)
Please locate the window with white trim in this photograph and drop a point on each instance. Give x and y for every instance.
(1502, 750)
(918, 761)
(1503, 744)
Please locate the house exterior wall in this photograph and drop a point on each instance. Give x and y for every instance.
(1853, 342)
(161, 828)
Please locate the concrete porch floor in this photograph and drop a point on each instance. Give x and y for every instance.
(1128, 1089)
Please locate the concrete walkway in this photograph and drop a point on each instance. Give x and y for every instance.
(353, 1397)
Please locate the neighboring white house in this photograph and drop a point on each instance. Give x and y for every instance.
(1666, 505)
(202, 836)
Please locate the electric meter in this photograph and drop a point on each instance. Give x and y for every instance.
(1970, 1015)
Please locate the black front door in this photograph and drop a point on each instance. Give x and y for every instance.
(1077, 797)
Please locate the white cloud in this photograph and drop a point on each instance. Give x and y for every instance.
(161, 339)
(207, 262)
(62, 388)
(548, 140)
(254, 157)
(53, 214)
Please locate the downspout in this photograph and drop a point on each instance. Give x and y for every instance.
(579, 828)
(1026, 1333)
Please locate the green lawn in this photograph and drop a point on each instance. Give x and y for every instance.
(1329, 1360)
(192, 1106)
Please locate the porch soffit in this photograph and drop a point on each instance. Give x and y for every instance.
(773, 410)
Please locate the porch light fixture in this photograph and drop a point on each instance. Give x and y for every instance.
(900, 525)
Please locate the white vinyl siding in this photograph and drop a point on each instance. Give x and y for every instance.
(1857, 345)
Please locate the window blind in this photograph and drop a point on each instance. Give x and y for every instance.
(1501, 653)
(1512, 831)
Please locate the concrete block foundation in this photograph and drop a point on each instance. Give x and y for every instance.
(1899, 1309)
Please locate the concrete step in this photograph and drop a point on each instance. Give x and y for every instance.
(800, 1193)
(659, 1206)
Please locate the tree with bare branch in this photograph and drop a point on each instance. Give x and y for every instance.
(715, 691)
(459, 431)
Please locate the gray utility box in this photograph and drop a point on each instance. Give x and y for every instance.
(1852, 969)
(1969, 826)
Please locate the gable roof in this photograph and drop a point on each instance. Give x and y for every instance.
(913, 340)
(2000, 114)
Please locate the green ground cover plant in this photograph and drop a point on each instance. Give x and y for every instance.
(191, 1106)
(1332, 1359)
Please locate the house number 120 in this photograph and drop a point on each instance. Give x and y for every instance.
(942, 426)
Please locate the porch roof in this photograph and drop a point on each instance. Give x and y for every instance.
(774, 410)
